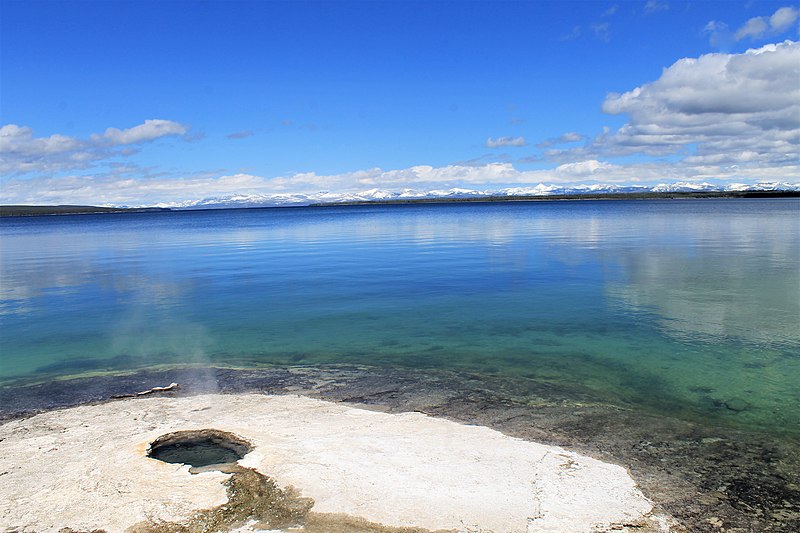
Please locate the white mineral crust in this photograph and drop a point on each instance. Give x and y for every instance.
(86, 468)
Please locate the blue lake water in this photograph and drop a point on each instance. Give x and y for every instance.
(682, 307)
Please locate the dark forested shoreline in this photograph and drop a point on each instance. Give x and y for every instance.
(36, 210)
(597, 196)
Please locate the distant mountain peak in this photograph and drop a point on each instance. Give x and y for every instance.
(541, 189)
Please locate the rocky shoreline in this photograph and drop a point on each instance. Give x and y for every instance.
(707, 478)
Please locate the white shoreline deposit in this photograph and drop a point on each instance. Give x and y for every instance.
(86, 468)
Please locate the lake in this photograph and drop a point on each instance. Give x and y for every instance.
(686, 308)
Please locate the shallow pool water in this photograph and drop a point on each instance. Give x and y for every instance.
(689, 308)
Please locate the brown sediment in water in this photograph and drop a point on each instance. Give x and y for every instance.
(253, 498)
(256, 500)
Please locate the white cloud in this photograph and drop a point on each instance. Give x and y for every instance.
(123, 189)
(719, 36)
(20, 140)
(653, 5)
(569, 137)
(583, 169)
(722, 104)
(21, 152)
(758, 27)
(505, 141)
(783, 18)
(727, 117)
(150, 130)
(753, 28)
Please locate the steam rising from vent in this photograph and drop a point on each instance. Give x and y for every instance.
(152, 332)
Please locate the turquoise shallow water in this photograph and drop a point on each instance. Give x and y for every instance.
(689, 308)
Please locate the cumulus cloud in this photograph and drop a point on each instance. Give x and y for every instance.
(20, 140)
(753, 28)
(506, 141)
(758, 27)
(21, 152)
(123, 189)
(150, 130)
(783, 18)
(720, 117)
(583, 168)
(714, 108)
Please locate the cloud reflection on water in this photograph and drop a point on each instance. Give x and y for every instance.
(703, 272)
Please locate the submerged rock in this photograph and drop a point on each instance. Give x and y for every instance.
(736, 404)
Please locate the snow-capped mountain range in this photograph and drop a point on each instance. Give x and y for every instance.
(378, 195)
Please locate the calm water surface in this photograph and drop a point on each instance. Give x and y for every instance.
(683, 307)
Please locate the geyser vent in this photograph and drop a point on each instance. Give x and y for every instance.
(199, 448)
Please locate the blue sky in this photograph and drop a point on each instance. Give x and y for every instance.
(154, 102)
